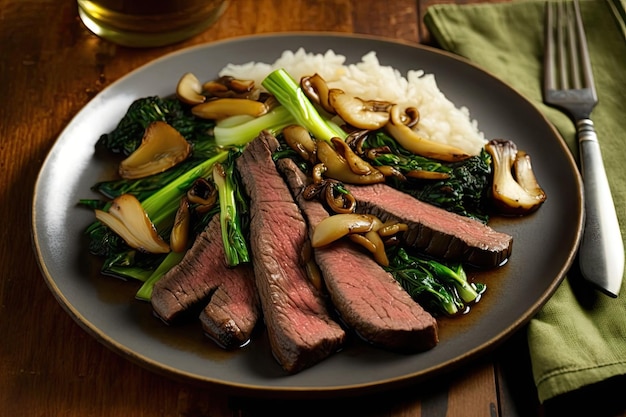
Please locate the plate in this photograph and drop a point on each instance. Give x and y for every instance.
(544, 243)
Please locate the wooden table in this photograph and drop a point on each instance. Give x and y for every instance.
(51, 67)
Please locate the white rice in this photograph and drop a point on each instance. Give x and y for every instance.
(440, 119)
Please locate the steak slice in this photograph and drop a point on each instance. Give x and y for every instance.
(232, 306)
(368, 298)
(433, 230)
(300, 329)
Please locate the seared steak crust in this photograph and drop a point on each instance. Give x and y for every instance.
(433, 230)
(300, 329)
(203, 277)
(368, 299)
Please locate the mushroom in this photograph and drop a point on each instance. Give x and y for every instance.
(316, 89)
(222, 108)
(179, 236)
(128, 219)
(365, 229)
(189, 89)
(362, 114)
(339, 225)
(412, 142)
(227, 86)
(515, 189)
(161, 148)
(337, 198)
(356, 164)
(299, 139)
(337, 167)
(307, 260)
(203, 194)
(356, 139)
(379, 253)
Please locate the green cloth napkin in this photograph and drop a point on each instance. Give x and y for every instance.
(579, 337)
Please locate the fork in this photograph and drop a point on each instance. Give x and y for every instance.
(569, 86)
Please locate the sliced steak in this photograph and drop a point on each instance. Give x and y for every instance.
(232, 306)
(368, 299)
(300, 329)
(433, 230)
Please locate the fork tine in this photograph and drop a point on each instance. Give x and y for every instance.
(549, 81)
(583, 49)
(563, 50)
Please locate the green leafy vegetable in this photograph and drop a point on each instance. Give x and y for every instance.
(126, 137)
(440, 288)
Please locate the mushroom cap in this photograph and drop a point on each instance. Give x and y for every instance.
(162, 147)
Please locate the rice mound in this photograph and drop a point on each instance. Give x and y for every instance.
(440, 119)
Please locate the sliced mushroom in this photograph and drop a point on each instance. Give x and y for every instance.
(128, 219)
(337, 167)
(525, 176)
(189, 89)
(392, 228)
(313, 272)
(299, 139)
(339, 225)
(222, 108)
(410, 117)
(337, 198)
(356, 139)
(412, 142)
(204, 194)
(179, 236)
(366, 230)
(515, 189)
(362, 114)
(390, 171)
(356, 164)
(380, 256)
(162, 147)
(227, 86)
(316, 89)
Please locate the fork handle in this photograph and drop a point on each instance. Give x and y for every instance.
(601, 252)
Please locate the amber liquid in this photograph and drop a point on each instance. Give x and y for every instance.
(142, 23)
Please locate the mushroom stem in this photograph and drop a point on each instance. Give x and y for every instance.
(222, 108)
(337, 167)
(412, 142)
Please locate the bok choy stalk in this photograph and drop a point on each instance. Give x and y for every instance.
(171, 260)
(290, 95)
(441, 289)
(233, 211)
(238, 134)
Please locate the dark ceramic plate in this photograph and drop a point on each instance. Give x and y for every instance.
(544, 243)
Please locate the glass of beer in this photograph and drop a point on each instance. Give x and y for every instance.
(147, 23)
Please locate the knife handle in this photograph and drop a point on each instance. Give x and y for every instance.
(601, 251)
